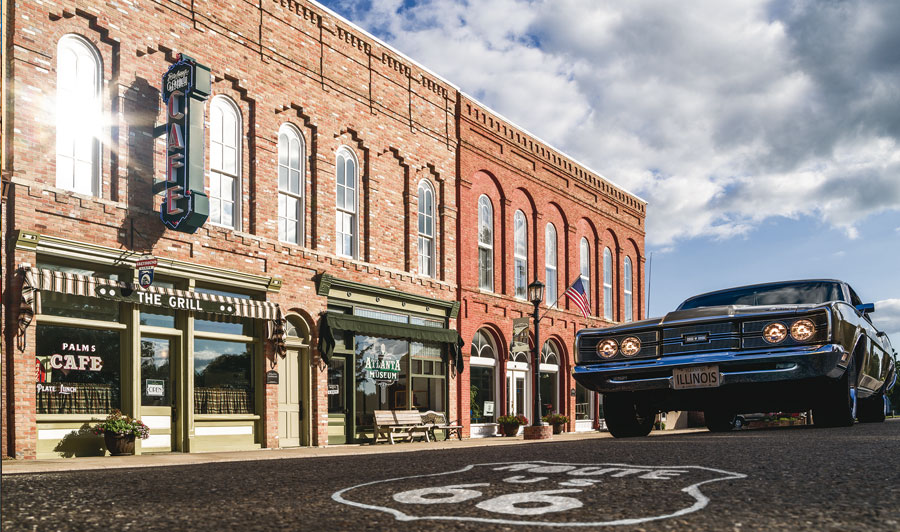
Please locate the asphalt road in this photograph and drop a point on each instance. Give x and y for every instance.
(792, 478)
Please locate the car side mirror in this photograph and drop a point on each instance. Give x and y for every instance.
(866, 308)
(881, 334)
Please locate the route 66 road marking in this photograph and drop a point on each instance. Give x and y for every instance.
(538, 493)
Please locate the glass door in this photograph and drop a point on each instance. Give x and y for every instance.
(337, 400)
(157, 393)
(517, 393)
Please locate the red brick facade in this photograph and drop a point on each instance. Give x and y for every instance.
(285, 61)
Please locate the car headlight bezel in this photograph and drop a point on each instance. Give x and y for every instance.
(610, 350)
(630, 346)
(775, 332)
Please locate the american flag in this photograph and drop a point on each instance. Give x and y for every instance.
(577, 295)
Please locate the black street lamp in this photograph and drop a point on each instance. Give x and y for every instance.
(536, 295)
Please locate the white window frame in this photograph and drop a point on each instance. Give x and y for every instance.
(485, 245)
(346, 215)
(584, 265)
(219, 106)
(629, 291)
(79, 117)
(426, 229)
(520, 255)
(551, 264)
(295, 165)
(550, 364)
(608, 301)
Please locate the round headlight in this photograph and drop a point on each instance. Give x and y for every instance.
(607, 348)
(775, 333)
(631, 346)
(802, 330)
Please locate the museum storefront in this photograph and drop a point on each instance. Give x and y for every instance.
(385, 350)
(186, 355)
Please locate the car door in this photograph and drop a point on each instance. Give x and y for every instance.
(875, 364)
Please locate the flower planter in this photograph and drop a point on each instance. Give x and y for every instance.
(510, 430)
(119, 445)
(559, 428)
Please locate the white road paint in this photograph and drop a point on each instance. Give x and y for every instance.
(535, 504)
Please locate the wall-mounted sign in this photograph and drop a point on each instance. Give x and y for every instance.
(155, 388)
(145, 270)
(185, 86)
(520, 335)
(334, 389)
(272, 377)
(157, 299)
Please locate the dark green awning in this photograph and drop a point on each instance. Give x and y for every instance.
(333, 323)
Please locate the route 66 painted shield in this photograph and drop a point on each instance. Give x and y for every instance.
(537, 493)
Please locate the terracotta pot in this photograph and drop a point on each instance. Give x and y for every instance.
(119, 445)
(510, 430)
(558, 428)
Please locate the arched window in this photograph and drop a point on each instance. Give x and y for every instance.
(78, 116)
(224, 163)
(485, 244)
(291, 185)
(426, 229)
(585, 267)
(629, 300)
(549, 380)
(607, 284)
(520, 253)
(550, 265)
(482, 375)
(346, 223)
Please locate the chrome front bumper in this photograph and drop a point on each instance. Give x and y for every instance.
(735, 367)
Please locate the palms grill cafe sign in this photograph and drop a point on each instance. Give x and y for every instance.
(185, 206)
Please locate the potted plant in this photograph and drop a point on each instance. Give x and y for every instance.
(119, 432)
(558, 421)
(510, 424)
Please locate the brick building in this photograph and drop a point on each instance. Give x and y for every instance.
(314, 265)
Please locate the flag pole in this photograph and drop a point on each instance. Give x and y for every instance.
(555, 302)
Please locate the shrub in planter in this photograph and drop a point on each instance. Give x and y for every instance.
(558, 421)
(119, 432)
(510, 424)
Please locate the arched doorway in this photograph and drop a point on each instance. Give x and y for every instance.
(484, 393)
(294, 423)
(549, 381)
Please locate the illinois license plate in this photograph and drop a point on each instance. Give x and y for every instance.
(696, 377)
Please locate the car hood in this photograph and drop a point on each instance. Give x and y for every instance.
(711, 313)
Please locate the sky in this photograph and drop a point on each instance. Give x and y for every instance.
(764, 135)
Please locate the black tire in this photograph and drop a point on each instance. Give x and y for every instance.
(625, 418)
(871, 410)
(718, 421)
(835, 407)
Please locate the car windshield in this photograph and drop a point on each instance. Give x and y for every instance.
(807, 292)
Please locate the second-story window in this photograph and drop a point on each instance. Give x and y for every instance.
(485, 244)
(78, 116)
(550, 265)
(629, 299)
(585, 267)
(224, 163)
(346, 204)
(426, 229)
(290, 185)
(607, 284)
(520, 253)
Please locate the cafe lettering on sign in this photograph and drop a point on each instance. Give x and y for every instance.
(185, 86)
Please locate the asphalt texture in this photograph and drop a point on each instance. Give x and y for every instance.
(790, 478)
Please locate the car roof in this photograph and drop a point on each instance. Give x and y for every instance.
(764, 284)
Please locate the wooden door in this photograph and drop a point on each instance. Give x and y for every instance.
(289, 402)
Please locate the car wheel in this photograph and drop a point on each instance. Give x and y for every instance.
(837, 406)
(719, 421)
(625, 418)
(871, 410)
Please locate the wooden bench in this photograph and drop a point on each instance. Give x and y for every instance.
(406, 423)
(438, 421)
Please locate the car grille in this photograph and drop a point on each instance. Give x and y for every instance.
(702, 337)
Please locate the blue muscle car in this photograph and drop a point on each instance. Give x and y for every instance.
(787, 346)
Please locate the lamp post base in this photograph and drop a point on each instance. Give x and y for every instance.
(541, 432)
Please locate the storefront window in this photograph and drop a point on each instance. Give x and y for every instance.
(217, 324)
(156, 389)
(381, 377)
(158, 317)
(78, 370)
(582, 402)
(223, 382)
(428, 377)
(482, 391)
(81, 307)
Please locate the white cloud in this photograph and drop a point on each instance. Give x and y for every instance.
(887, 318)
(721, 114)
